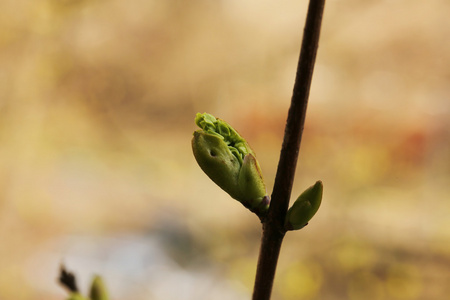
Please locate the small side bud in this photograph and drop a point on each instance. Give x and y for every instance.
(98, 289)
(305, 207)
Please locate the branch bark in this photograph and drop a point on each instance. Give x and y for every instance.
(273, 226)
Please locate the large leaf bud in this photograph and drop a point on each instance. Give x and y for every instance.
(230, 162)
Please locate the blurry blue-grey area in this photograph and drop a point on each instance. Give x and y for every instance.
(97, 107)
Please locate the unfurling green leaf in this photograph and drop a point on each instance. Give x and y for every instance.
(230, 162)
(305, 207)
(98, 289)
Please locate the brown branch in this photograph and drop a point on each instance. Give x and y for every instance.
(273, 227)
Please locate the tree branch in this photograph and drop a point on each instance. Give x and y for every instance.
(273, 227)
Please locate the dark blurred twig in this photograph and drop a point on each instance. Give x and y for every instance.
(273, 226)
(68, 280)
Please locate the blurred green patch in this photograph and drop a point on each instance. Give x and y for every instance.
(301, 280)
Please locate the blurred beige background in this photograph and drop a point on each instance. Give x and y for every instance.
(97, 102)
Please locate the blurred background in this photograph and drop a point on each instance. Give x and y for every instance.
(97, 103)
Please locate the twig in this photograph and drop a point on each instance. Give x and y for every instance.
(273, 227)
(67, 279)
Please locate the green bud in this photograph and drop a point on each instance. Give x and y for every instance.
(230, 162)
(305, 207)
(98, 289)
